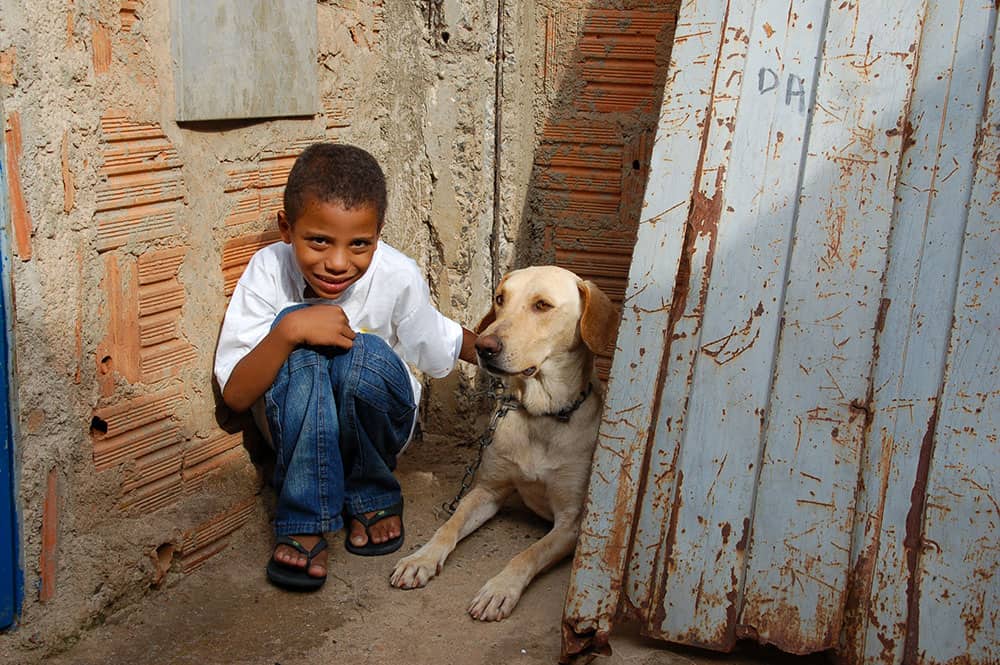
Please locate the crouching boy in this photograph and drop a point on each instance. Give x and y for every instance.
(317, 340)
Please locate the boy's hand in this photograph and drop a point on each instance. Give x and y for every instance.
(318, 325)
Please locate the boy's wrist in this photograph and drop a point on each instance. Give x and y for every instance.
(287, 332)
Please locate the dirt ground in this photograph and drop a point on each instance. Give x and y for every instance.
(228, 613)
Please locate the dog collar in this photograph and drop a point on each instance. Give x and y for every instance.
(564, 415)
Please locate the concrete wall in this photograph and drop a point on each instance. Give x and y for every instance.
(129, 231)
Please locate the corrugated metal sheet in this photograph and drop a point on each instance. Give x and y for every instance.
(814, 294)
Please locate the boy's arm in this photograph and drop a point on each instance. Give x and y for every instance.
(316, 325)
(468, 352)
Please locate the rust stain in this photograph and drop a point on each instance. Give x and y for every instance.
(883, 311)
(913, 539)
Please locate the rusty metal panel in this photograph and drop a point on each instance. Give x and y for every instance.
(957, 614)
(934, 182)
(790, 303)
(732, 353)
(595, 584)
(819, 403)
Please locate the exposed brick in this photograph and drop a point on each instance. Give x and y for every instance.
(143, 190)
(338, 109)
(256, 190)
(618, 50)
(129, 13)
(210, 537)
(69, 181)
(236, 255)
(20, 219)
(206, 456)
(131, 415)
(48, 560)
(8, 59)
(101, 41)
(70, 24)
(144, 342)
(162, 349)
(118, 354)
(78, 328)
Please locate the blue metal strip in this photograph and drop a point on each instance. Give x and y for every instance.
(11, 578)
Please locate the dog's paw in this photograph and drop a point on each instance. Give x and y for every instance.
(416, 570)
(496, 600)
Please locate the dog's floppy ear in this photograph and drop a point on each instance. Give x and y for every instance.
(599, 320)
(491, 315)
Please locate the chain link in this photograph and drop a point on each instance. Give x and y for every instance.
(505, 403)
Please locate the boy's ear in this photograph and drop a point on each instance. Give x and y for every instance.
(599, 320)
(284, 227)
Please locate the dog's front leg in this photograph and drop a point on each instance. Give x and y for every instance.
(475, 508)
(497, 598)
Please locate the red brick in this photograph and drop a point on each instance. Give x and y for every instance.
(69, 181)
(8, 59)
(128, 13)
(236, 255)
(101, 41)
(143, 190)
(20, 218)
(210, 537)
(47, 563)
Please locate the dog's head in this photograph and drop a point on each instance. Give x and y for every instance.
(542, 313)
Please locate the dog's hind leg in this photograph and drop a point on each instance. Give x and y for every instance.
(497, 598)
(478, 506)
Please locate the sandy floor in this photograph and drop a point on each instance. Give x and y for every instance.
(228, 613)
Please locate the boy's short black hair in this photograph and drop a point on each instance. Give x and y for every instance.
(335, 173)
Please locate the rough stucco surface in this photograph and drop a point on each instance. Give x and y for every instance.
(115, 334)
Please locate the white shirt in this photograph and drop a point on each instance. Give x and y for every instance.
(391, 300)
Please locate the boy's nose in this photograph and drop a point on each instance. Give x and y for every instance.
(336, 261)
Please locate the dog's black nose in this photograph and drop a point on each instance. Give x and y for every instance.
(488, 346)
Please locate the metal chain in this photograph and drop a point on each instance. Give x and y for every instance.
(505, 403)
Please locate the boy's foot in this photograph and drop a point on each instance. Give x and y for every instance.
(298, 566)
(290, 557)
(377, 532)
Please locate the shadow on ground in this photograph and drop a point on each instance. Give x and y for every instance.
(229, 614)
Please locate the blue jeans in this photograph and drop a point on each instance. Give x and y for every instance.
(338, 418)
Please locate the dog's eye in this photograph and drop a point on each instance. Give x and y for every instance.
(542, 306)
(498, 299)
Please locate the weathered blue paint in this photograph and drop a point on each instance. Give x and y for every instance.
(800, 444)
(10, 573)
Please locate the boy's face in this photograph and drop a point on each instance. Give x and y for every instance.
(333, 245)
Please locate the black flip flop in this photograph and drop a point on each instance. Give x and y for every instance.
(376, 549)
(293, 578)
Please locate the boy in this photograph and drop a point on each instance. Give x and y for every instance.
(314, 340)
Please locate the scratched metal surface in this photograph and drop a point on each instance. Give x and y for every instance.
(595, 586)
(958, 608)
(934, 183)
(770, 425)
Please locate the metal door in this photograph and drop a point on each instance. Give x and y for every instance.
(10, 575)
(814, 295)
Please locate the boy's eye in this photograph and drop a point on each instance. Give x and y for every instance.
(360, 242)
(498, 299)
(542, 306)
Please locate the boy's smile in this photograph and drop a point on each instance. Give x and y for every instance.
(333, 245)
